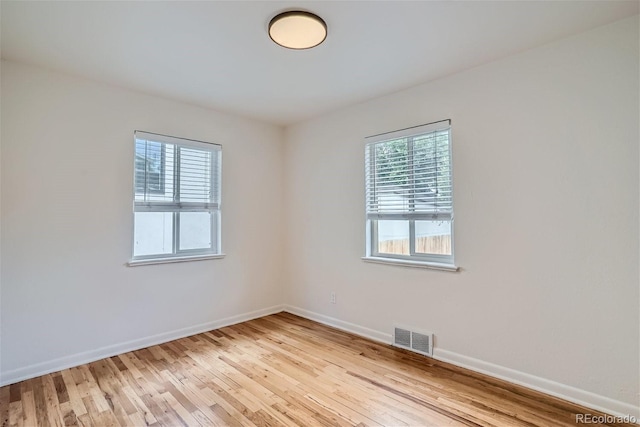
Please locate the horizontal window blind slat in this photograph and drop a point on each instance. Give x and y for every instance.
(418, 216)
(402, 187)
(423, 203)
(174, 207)
(389, 209)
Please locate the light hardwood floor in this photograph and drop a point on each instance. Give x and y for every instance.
(277, 370)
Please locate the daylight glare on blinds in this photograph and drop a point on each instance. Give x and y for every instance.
(408, 175)
(174, 174)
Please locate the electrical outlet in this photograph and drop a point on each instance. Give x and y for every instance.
(333, 297)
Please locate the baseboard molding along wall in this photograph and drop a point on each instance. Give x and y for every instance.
(562, 391)
(65, 362)
(340, 324)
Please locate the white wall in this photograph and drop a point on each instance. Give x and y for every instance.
(545, 147)
(546, 174)
(67, 182)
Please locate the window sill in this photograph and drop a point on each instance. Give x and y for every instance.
(138, 262)
(409, 263)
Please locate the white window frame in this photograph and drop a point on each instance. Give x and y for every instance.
(414, 259)
(212, 206)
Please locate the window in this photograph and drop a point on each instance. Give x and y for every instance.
(150, 164)
(177, 198)
(409, 197)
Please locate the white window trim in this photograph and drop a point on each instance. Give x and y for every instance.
(182, 255)
(151, 261)
(429, 261)
(403, 262)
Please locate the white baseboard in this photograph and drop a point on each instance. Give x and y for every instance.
(340, 324)
(562, 391)
(572, 394)
(35, 370)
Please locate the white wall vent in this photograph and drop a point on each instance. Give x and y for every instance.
(416, 341)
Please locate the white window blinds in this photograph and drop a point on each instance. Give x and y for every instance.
(408, 174)
(174, 174)
(176, 203)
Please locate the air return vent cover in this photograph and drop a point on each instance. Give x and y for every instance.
(410, 339)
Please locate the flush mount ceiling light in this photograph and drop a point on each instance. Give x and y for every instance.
(297, 29)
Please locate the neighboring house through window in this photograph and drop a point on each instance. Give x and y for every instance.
(409, 196)
(150, 166)
(177, 198)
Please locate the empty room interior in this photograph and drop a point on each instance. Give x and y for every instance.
(345, 213)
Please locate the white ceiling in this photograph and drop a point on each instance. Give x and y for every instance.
(217, 54)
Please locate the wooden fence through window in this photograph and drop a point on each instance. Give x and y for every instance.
(424, 245)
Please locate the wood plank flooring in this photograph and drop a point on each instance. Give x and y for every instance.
(277, 370)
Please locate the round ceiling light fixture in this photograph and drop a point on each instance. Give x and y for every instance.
(297, 29)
